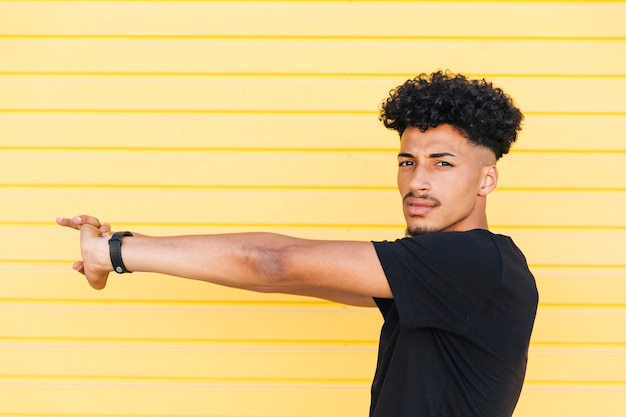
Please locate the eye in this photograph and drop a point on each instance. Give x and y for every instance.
(406, 163)
(444, 164)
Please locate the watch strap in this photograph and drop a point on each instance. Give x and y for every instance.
(115, 251)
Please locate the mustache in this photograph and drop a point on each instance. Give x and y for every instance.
(423, 197)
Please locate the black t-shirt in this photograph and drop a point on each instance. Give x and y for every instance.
(456, 334)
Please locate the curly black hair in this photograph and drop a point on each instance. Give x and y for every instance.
(485, 115)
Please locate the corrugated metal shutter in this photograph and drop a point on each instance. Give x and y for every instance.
(202, 117)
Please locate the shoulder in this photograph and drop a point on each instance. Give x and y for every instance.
(456, 243)
(442, 253)
(452, 255)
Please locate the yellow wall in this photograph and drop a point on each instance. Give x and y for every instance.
(193, 117)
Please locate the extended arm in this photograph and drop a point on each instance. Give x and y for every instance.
(343, 271)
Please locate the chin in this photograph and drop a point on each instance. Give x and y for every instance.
(419, 230)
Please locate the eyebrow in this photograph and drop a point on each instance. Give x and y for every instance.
(432, 155)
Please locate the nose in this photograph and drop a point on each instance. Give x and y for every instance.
(419, 178)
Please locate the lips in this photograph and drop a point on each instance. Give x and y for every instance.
(417, 206)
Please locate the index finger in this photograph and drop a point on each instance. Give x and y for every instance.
(77, 221)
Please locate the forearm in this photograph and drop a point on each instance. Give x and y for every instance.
(248, 261)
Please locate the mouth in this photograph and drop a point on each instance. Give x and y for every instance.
(420, 205)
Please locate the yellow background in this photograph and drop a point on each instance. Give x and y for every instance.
(201, 117)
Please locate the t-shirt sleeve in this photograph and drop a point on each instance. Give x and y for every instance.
(441, 280)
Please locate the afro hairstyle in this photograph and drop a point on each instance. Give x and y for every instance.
(485, 115)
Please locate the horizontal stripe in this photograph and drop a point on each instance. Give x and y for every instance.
(201, 323)
(378, 19)
(201, 361)
(209, 322)
(57, 282)
(551, 400)
(311, 56)
(340, 131)
(543, 246)
(581, 285)
(292, 207)
(237, 93)
(125, 398)
(159, 399)
(579, 364)
(239, 168)
(270, 400)
(580, 325)
(268, 362)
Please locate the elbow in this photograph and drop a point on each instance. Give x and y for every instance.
(269, 268)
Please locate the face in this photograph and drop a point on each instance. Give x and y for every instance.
(444, 180)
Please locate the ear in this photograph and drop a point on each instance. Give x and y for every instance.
(489, 180)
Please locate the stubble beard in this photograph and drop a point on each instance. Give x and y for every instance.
(421, 230)
(418, 231)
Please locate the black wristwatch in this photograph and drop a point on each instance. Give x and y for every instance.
(115, 251)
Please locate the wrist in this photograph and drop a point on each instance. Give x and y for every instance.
(115, 252)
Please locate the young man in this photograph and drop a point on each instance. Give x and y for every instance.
(458, 301)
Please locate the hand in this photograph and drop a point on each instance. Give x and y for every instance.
(94, 248)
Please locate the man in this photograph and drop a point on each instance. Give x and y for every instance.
(459, 301)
